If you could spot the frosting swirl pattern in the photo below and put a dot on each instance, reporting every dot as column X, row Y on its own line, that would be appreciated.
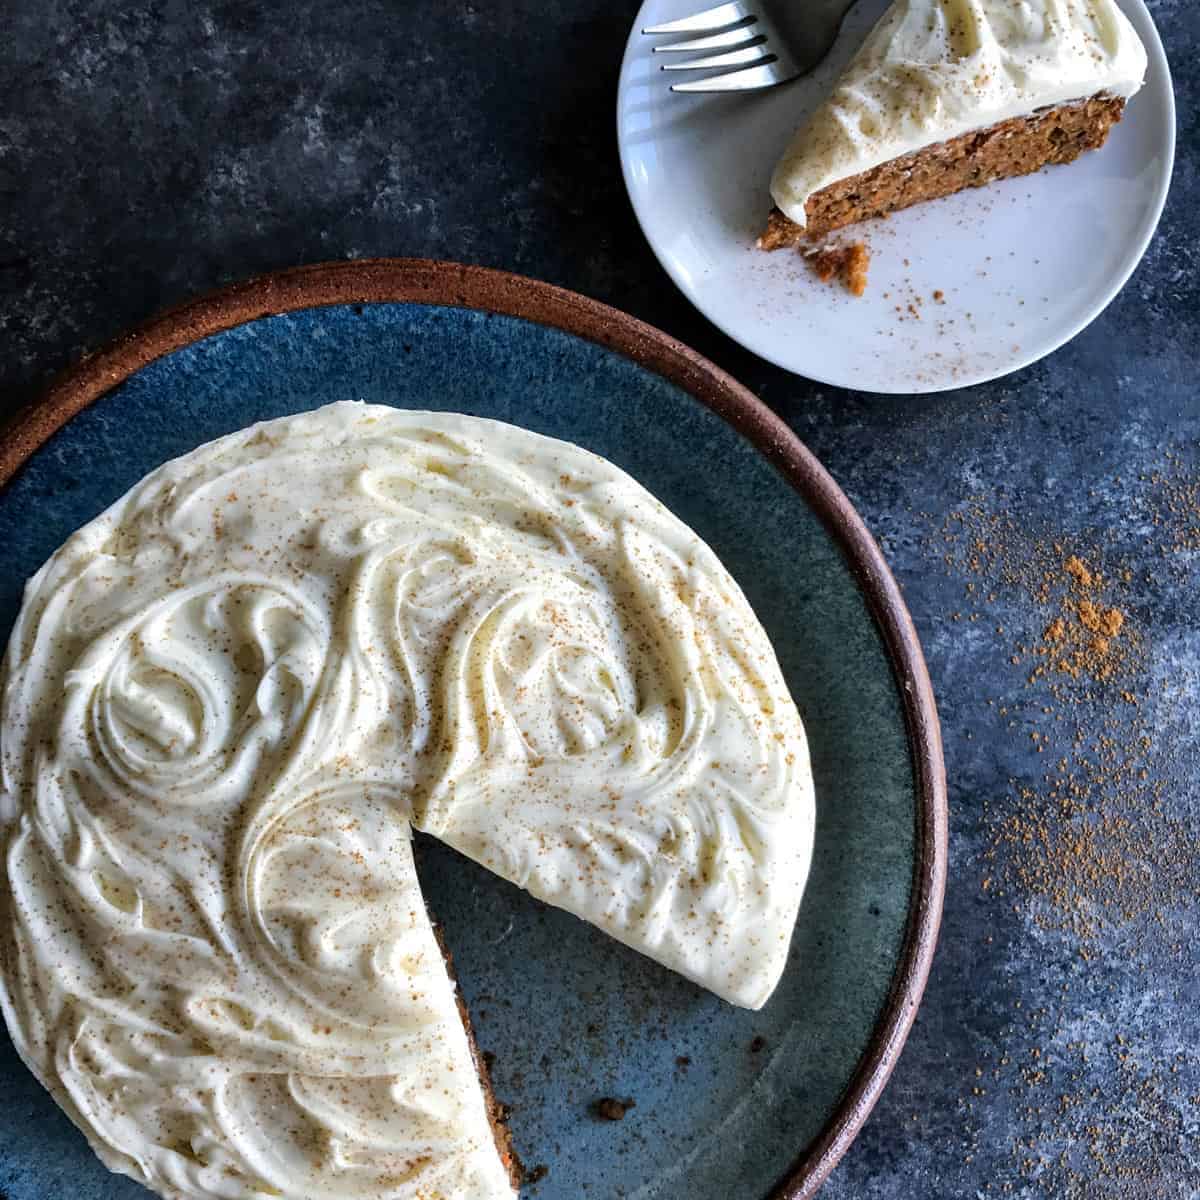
column 227, row 698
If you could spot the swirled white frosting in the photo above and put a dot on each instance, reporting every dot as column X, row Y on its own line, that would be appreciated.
column 227, row 697
column 932, row 70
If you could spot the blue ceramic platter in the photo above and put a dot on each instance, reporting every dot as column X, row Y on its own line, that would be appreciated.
column 726, row 1100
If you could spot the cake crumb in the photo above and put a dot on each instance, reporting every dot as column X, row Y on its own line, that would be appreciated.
column 537, row 1174
column 850, row 263
column 609, row 1109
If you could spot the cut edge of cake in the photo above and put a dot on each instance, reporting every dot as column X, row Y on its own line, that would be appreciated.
column 496, row 1111
column 1008, row 149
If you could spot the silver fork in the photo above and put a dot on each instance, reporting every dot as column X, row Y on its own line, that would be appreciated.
column 768, row 47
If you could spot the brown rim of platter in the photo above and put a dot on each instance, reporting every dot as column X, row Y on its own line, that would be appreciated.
column 424, row 281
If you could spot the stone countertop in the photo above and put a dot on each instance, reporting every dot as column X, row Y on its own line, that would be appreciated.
column 1045, row 527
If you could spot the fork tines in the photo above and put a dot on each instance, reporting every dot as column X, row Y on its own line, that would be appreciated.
column 742, row 36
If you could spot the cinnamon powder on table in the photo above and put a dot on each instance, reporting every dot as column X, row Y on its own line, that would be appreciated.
column 1091, row 854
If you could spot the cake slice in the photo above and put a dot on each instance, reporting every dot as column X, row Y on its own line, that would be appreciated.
column 951, row 94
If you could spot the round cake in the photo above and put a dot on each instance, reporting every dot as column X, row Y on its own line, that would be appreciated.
column 229, row 699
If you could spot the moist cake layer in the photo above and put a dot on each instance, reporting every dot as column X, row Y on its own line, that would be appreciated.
column 1016, row 147
column 932, row 71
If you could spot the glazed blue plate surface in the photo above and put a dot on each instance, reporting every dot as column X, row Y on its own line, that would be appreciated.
column 725, row 1099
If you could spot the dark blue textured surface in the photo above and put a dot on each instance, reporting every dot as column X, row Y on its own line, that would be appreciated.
column 153, row 149
column 570, row 1015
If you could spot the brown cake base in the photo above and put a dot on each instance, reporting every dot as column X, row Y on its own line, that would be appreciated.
column 495, row 1110
column 1017, row 147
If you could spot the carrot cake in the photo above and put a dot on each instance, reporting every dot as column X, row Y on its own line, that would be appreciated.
column 951, row 94
column 230, row 697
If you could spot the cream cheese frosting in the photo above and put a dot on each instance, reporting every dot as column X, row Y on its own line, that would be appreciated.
column 932, row 70
column 227, row 698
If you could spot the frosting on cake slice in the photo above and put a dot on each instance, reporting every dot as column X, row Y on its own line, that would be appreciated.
column 934, row 70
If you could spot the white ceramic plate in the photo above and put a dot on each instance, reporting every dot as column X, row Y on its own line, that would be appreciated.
column 1022, row 265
